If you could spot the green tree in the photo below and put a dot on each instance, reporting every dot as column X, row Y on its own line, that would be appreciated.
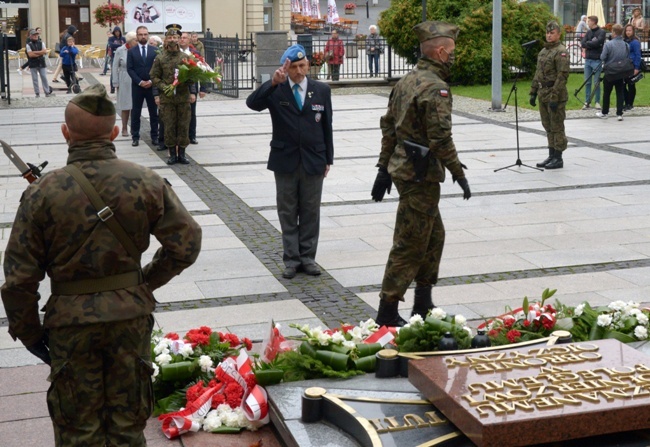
column 521, row 22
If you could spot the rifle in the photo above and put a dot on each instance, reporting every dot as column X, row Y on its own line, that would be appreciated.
column 28, row 171
column 594, row 87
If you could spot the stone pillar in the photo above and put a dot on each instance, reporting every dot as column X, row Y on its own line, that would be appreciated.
column 270, row 46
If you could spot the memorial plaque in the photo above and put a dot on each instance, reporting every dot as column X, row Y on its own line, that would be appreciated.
column 539, row 394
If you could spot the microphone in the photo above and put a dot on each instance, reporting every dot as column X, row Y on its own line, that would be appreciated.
column 529, row 44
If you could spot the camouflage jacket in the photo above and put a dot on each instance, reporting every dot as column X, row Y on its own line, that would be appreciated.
column 162, row 75
column 57, row 232
column 552, row 74
column 419, row 110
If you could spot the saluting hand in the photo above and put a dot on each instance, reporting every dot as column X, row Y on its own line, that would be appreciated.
column 280, row 74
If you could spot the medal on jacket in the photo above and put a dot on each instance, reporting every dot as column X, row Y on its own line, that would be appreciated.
column 317, row 117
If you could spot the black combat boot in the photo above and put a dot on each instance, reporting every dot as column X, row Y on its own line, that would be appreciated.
column 172, row 156
column 557, row 162
column 181, row 156
column 542, row 164
column 423, row 302
column 387, row 315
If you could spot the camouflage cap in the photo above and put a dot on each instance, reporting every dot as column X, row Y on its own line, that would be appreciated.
column 430, row 30
column 550, row 26
column 95, row 101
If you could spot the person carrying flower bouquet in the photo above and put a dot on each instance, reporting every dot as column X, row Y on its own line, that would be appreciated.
column 172, row 96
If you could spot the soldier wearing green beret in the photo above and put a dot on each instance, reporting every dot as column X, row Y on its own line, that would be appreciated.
column 96, row 332
column 549, row 83
column 175, row 109
column 419, row 111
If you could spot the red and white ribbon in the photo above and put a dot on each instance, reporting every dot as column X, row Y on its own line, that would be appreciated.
column 383, row 336
column 179, row 422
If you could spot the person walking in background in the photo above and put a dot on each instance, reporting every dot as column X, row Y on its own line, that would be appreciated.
column 334, row 52
column 374, row 48
column 635, row 54
column 114, row 42
column 122, row 81
column 419, row 112
column 593, row 43
column 107, row 55
column 302, row 151
column 615, row 50
column 582, row 28
column 68, row 56
column 549, row 83
column 96, row 333
column 59, row 67
column 139, row 61
column 36, row 52
column 637, row 20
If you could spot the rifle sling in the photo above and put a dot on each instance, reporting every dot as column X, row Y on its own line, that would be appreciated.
column 113, row 282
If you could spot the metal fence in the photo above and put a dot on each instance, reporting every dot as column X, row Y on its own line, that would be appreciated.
column 355, row 60
column 572, row 41
column 5, row 90
column 234, row 56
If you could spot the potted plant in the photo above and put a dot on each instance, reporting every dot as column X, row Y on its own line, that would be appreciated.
column 108, row 14
column 350, row 7
column 317, row 61
column 360, row 39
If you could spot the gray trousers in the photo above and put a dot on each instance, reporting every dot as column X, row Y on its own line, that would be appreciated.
column 43, row 72
column 298, row 197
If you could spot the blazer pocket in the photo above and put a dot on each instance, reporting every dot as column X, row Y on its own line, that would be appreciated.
column 320, row 148
column 275, row 144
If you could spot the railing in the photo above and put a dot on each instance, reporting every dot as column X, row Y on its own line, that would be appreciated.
column 355, row 60
column 235, row 58
column 5, row 89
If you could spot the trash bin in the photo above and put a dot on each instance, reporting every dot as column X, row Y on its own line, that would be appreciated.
column 306, row 41
column 351, row 50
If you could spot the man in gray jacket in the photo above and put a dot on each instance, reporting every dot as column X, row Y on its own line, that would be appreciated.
column 614, row 51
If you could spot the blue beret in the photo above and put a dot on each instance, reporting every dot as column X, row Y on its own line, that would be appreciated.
column 294, row 53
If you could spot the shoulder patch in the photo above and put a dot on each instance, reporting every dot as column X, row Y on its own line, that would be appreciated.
column 444, row 93
column 562, row 54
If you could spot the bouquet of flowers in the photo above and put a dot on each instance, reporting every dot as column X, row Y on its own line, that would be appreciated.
column 106, row 15
column 623, row 321
column 531, row 321
column 211, row 376
column 317, row 59
column 193, row 69
column 350, row 5
column 423, row 335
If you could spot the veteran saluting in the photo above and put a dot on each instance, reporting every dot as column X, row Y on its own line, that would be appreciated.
column 302, row 151
column 175, row 109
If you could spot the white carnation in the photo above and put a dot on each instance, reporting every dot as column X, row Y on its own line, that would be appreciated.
column 640, row 332
column 156, row 371
column 642, row 318
column 438, row 313
column 162, row 347
column 460, row 320
column 230, row 419
column 580, row 308
column 604, row 320
column 163, row 359
column 212, row 421
column 186, row 350
column 205, row 362
column 416, row 319
column 617, row 305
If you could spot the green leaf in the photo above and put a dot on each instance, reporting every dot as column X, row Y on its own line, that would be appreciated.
column 179, row 371
column 307, row 349
column 366, row 349
column 623, row 338
column 226, row 430
column 268, row 376
column 335, row 360
column 367, row 364
column 525, row 306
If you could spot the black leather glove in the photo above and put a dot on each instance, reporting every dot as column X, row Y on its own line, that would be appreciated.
column 553, row 106
column 533, row 100
column 463, row 184
column 41, row 350
column 382, row 185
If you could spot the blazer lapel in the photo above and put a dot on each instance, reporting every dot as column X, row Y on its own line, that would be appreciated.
column 310, row 93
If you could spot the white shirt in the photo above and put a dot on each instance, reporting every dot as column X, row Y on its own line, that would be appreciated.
column 145, row 50
column 302, row 88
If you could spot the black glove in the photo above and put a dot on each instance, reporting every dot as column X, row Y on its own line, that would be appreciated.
column 533, row 100
column 382, row 185
column 553, row 106
column 463, row 184
column 41, row 350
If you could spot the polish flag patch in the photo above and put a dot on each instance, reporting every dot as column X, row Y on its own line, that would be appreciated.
column 444, row 93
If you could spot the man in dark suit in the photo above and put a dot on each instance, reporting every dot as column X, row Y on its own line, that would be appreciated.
column 302, row 151
column 139, row 61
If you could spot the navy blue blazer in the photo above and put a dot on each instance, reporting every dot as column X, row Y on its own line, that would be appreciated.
column 137, row 68
column 298, row 136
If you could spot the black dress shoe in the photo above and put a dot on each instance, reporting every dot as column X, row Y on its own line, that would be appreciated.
column 161, row 147
column 135, row 142
column 154, row 141
column 194, row 141
column 172, row 160
column 289, row 272
column 311, row 269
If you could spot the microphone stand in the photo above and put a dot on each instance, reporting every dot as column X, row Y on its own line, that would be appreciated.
column 514, row 89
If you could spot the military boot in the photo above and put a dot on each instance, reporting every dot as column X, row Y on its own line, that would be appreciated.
column 387, row 315
column 181, row 156
column 423, row 302
column 557, row 162
column 542, row 164
column 172, row 156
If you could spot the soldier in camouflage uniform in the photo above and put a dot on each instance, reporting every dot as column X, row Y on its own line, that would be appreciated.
column 419, row 111
column 550, row 84
column 97, row 327
column 175, row 110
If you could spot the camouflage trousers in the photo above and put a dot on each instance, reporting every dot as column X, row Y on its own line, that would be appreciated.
column 418, row 240
column 553, row 123
column 101, row 392
column 176, row 121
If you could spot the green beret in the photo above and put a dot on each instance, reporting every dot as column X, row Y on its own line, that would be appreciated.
column 95, row 101
column 173, row 29
column 430, row 30
column 550, row 26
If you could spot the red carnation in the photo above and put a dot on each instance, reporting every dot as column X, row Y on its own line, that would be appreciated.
column 247, row 341
column 493, row 333
column 234, row 393
column 513, row 335
column 194, row 392
column 250, row 381
column 200, row 336
column 508, row 321
column 172, row 336
column 526, row 323
column 231, row 339
column 218, row 399
column 547, row 322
